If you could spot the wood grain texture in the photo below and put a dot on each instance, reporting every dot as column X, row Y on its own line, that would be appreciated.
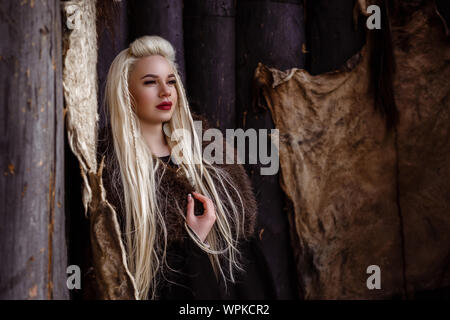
column 333, row 36
column 209, row 31
column 32, row 223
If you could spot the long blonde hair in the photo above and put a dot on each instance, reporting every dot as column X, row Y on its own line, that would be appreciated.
column 145, row 231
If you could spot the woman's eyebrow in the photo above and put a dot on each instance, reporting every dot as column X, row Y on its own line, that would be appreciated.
column 156, row 76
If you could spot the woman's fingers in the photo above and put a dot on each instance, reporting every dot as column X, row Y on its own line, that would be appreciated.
column 190, row 207
column 208, row 205
column 201, row 225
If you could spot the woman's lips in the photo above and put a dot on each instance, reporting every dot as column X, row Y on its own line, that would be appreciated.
column 164, row 106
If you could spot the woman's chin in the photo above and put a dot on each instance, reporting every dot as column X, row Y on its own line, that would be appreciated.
column 165, row 118
column 156, row 119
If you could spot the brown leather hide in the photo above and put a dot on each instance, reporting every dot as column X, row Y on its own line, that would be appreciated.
column 361, row 195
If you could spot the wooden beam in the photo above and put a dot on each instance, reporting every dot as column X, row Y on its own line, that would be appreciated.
column 32, row 223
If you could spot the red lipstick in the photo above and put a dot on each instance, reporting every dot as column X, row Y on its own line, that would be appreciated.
column 166, row 105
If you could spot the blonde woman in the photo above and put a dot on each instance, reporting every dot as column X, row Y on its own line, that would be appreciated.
column 184, row 220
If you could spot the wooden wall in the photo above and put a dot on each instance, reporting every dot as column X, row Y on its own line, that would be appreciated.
column 32, row 222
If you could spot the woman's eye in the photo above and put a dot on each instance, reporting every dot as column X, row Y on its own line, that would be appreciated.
column 153, row 81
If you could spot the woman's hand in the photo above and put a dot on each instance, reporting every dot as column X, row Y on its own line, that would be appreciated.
column 201, row 225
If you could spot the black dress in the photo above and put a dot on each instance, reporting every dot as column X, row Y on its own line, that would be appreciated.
column 195, row 279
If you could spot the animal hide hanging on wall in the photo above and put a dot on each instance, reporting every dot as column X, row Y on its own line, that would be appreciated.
column 80, row 92
column 363, row 195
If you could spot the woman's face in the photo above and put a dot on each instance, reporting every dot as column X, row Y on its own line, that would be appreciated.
column 152, row 82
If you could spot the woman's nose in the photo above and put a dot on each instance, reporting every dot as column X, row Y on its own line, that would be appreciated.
column 165, row 91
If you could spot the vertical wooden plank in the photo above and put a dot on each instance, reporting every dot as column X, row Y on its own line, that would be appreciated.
column 112, row 32
column 59, row 259
column 332, row 37
column 32, row 224
column 209, row 32
column 271, row 32
column 163, row 18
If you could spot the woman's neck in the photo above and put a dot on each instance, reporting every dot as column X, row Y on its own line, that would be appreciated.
column 154, row 137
